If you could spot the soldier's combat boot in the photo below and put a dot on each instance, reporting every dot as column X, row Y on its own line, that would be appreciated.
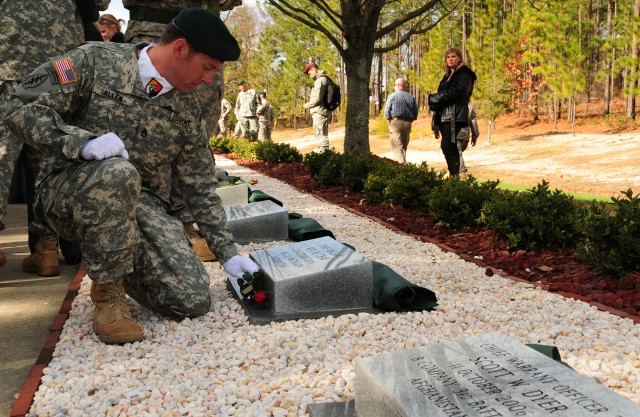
column 44, row 261
column 199, row 244
column 3, row 259
column 112, row 320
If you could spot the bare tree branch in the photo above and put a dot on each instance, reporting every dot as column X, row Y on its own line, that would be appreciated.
column 306, row 19
column 411, row 15
column 415, row 30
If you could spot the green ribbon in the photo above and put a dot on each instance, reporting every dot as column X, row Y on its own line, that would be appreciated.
column 257, row 195
column 549, row 351
column 306, row 228
column 392, row 292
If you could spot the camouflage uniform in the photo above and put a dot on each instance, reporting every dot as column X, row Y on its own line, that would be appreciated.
column 149, row 30
column 32, row 32
column 319, row 114
column 113, row 205
column 225, row 109
column 265, row 121
column 245, row 111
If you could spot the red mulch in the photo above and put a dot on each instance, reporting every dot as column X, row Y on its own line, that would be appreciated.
column 557, row 270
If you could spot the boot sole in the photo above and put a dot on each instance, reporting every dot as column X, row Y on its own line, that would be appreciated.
column 121, row 339
column 47, row 272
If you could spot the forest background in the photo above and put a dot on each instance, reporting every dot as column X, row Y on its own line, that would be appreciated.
column 533, row 58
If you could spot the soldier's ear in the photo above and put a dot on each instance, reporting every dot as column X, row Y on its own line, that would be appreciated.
column 180, row 48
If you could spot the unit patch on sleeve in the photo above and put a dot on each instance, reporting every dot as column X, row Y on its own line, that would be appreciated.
column 34, row 80
column 66, row 73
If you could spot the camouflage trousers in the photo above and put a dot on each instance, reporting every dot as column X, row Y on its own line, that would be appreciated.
column 222, row 125
column 10, row 147
column 264, row 132
column 126, row 232
column 249, row 127
column 321, row 130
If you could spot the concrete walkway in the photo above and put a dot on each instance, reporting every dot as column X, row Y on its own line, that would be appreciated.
column 28, row 306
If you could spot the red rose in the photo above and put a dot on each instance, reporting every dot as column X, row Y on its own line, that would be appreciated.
column 261, row 298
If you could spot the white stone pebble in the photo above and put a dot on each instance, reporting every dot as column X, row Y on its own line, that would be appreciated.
column 220, row 365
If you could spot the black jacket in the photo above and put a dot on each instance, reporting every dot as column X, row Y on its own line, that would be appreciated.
column 451, row 102
column 118, row 38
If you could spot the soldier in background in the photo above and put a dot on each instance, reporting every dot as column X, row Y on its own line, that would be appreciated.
column 225, row 109
column 147, row 20
column 265, row 118
column 319, row 114
column 245, row 110
column 33, row 31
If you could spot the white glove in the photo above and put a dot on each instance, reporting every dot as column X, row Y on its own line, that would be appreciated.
column 104, row 147
column 238, row 265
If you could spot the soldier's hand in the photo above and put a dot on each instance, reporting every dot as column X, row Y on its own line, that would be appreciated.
column 104, row 147
column 239, row 265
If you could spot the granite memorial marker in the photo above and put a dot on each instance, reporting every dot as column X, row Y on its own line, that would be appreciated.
column 263, row 221
column 233, row 195
column 315, row 275
column 488, row 375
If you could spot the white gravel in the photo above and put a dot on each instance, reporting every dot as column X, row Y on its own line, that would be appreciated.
column 221, row 365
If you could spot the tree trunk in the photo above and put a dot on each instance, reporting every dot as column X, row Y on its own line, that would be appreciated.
column 609, row 77
column 630, row 110
column 356, row 134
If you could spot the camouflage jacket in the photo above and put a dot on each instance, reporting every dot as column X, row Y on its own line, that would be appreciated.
column 101, row 92
column 33, row 31
column 225, row 108
column 247, row 103
column 150, row 30
column 265, row 113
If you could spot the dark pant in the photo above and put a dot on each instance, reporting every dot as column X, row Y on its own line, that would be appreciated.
column 449, row 147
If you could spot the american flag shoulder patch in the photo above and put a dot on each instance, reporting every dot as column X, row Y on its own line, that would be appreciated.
column 66, row 73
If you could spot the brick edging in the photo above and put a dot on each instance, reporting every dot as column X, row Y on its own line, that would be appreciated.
column 27, row 393
column 635, row 319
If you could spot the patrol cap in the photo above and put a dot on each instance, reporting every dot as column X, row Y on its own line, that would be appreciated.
column 309, row 66
column 206, row 32
column 240, row 83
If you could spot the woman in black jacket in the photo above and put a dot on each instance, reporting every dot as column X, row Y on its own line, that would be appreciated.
column 110, row 28
column 450, row 107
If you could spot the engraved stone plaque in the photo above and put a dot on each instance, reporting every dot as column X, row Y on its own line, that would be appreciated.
column 315, row 275
column 233, row 195
column 264, row 221
column 486, row 375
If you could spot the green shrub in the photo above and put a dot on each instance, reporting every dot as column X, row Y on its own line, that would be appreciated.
column 277, row 152
column 408, row 185
column 377, row 181
column 314, row 161
column 458, row 204
column 532, row 219
column 611, row 240
column 219, row 143
column 355, row 170
column 325, row 167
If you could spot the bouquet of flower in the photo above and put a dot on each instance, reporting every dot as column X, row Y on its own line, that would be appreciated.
column 252, row 287
column 235, row 181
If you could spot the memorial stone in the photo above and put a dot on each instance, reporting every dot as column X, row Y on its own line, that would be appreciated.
column 487, row 375
column 233, row 195
column 315, row 275
column 264, row 221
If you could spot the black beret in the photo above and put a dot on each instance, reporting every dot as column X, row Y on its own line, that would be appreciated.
column 206, row 32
